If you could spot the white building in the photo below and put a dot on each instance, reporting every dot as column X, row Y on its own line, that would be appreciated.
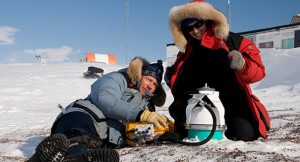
column 280, row 37
column 171, row 52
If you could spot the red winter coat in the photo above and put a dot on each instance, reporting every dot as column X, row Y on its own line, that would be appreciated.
column 252, row 71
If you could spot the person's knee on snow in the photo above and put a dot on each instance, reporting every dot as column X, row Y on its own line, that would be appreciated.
column 241, row 129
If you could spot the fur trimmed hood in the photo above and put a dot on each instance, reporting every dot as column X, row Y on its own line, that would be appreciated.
column 135, row 74
column 200, row 10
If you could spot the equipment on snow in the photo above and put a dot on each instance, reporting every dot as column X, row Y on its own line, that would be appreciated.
column 200, row 122
column 93, row 72
column 140, row 133
column 204, row 119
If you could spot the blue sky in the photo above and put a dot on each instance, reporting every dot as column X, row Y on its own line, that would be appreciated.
column 64, row 30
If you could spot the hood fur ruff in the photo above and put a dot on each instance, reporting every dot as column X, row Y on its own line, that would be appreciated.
column 201, row 10
column 135, row 74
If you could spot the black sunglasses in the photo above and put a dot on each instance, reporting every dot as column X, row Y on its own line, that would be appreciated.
column 197, row 25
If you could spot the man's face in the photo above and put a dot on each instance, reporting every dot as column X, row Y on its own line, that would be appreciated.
column 148, row 84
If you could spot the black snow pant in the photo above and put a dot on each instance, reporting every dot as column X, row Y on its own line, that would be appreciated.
column 75, row 124
column 177, row 112
column 241, row 124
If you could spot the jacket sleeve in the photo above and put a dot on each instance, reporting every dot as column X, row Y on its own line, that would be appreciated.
column 106, row 94
column 253, row 69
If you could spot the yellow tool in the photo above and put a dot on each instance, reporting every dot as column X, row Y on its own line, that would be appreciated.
column 139, row 133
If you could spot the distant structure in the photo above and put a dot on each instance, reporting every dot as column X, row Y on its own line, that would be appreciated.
column 279, row 37
column 228, row 14
column 101, row 58
column 41, row 60
column 172, row 52
column 295, row 19
column 126, row 28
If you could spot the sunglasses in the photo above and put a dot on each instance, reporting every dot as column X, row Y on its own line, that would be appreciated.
column 197, row 25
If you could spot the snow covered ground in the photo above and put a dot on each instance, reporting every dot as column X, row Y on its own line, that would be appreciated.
column 30, row 93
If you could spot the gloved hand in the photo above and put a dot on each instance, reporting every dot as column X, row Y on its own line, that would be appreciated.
column 236, row 60
column 154, row 118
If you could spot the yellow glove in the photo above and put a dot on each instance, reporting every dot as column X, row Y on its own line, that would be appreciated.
column 155, row 118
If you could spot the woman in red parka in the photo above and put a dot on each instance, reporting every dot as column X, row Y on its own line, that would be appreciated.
column 210, row 54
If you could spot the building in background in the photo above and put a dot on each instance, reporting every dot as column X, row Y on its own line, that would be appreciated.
column 41, row 59
column 279, row 37
column 101, row 58
column 172, row 52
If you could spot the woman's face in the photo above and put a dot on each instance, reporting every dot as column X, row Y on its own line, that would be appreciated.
column 197, row 29
column 148, row 84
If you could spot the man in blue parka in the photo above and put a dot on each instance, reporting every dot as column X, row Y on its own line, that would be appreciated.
column 88, row 129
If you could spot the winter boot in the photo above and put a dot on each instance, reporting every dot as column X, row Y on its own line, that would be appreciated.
column 94, row 155
column 86, row 148
column 51, row 149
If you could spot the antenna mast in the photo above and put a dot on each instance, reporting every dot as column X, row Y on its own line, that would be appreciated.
column 228, row 13
column 126, row 32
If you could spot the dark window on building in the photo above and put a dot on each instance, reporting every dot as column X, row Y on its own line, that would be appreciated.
column 266, row 45
column 297, row 39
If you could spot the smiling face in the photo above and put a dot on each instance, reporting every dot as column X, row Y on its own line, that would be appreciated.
column 197, row 29
column 148, row 84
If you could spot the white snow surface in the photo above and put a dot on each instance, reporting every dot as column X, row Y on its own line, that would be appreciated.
column 30, row 93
